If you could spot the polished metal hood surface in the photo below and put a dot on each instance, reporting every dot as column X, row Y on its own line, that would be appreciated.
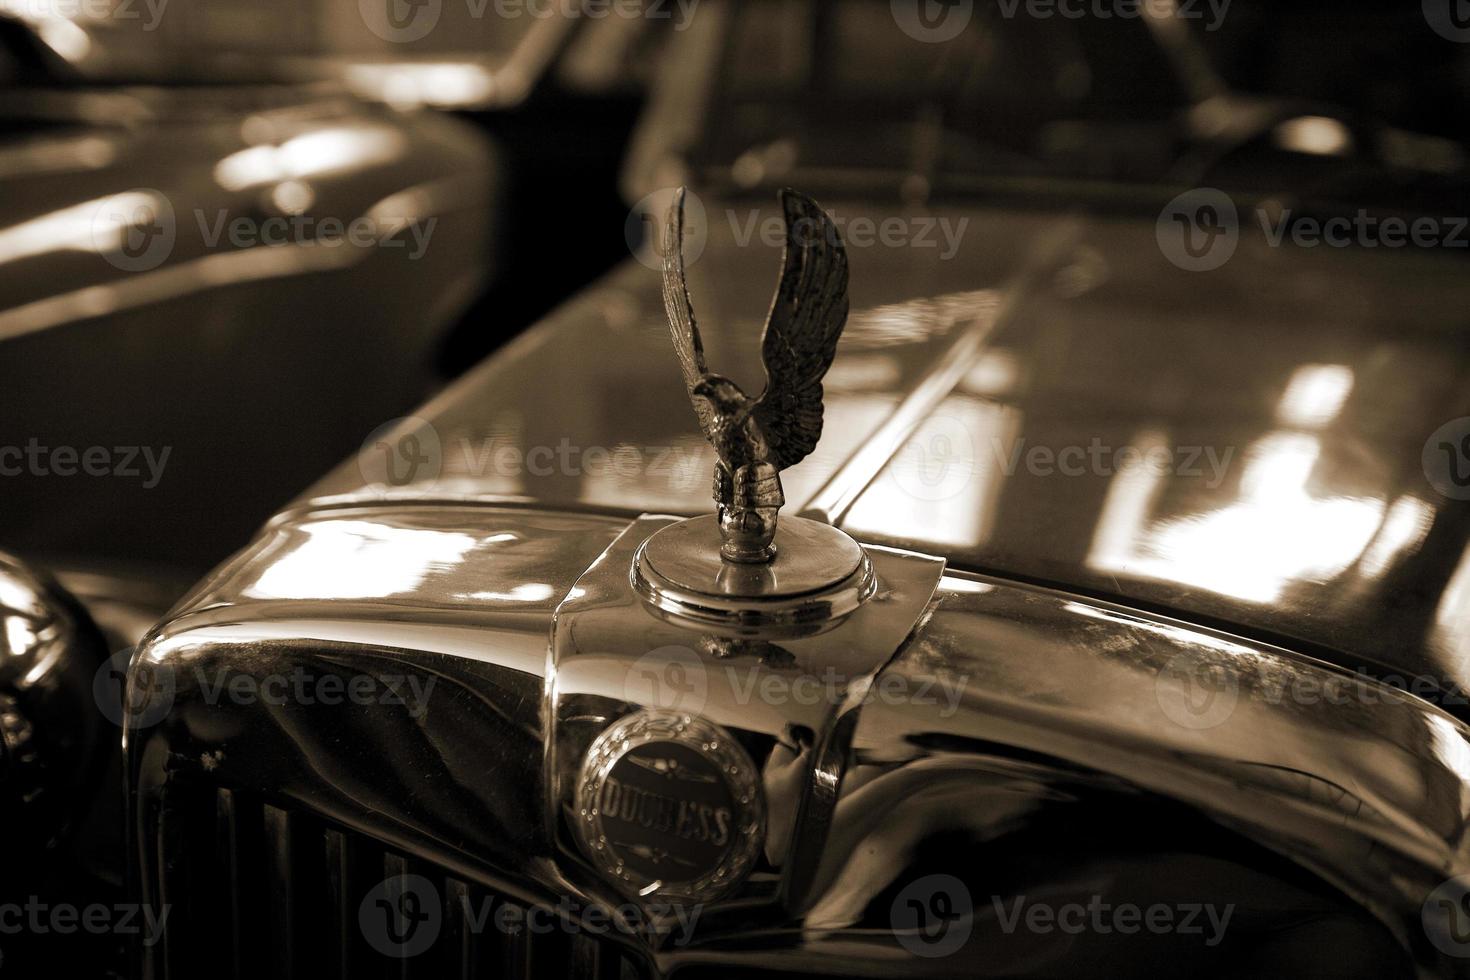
column 1008, row 707
column 1000, row 406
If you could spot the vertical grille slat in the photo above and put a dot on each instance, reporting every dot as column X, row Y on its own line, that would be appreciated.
column 259, row 889
column 341, row 921
column 588, row 961
column 170, row 959
column 231, row 888
column 515, row 955
column 396, row 866
column 281, row 910
column 461, row 941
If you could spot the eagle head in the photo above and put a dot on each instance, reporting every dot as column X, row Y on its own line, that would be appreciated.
column 723, row 395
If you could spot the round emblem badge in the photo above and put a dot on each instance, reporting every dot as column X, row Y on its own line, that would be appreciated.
column 670, row 804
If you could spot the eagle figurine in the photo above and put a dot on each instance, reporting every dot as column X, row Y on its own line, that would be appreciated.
column 756, row 438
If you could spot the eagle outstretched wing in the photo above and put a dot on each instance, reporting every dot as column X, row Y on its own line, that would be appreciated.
column 807, row 315
column 681, row 311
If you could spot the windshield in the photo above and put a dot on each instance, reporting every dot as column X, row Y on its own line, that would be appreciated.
column 832, row 88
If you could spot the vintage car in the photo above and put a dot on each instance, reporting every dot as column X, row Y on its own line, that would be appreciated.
column 153, row 363
column 222, row 281
column 1115, row 625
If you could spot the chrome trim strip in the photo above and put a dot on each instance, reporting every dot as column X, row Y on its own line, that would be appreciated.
column 261, row 262
column 832, row 502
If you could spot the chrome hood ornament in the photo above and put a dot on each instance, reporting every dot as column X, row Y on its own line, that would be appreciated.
column 756, row 438
column 738, row 570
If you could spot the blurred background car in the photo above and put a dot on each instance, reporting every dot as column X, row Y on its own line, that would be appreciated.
column 211, row 286
column 236, row 239
column 173, row 295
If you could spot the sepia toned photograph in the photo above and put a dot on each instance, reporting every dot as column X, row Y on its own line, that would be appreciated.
column 734, row 489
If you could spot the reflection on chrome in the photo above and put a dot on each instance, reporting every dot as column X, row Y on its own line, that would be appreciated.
column 1452, row 618
column 1276, row 533
column 1317, row 135
column 54, row 23
column 916, row 320
column 529, row 592
column 315, row 154
column 994, row 375
column 369, row 560
column 1182, row 635
column 1315, row 395
column 59, row 155
column 406, row 86
column 99, row 225
column 1448, row 744
column 944, row 482
column 1400, row 535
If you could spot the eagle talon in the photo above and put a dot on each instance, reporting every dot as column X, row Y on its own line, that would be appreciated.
column 748, row 534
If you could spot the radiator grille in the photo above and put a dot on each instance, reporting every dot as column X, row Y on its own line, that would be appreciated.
column 257, row 890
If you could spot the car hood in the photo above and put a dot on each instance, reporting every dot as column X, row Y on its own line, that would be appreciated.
column 1044, row 396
